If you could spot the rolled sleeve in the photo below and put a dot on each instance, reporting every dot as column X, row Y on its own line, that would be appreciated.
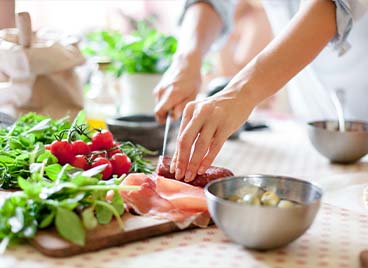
column 225, row 9
column 347, row 11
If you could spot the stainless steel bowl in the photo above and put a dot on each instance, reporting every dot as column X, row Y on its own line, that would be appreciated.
column 261, row 227
column 339, row 147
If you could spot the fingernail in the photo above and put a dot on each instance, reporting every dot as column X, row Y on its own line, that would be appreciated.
column 201, row 170
column 188, row 176
column 172, row 167
column 178, row 175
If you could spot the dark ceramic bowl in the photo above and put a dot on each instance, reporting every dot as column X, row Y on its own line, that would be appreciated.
column 139, row 129
column 6, row 120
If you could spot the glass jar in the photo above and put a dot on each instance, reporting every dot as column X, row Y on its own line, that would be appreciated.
column 102, row 98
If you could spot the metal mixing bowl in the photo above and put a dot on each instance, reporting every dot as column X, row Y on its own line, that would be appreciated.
column 339, row 147
column 261, row 227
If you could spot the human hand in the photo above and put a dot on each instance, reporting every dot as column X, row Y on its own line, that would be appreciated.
column 205, row 126
column 179, row 85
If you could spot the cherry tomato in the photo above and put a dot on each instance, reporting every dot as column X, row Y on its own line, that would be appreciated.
column 102, row 140
column 90, row 146
column 120, row 164
column 107, row 172
column 62, row 150
column 96, row 154
column 48, row 147
column 80, row 161
column 112, row 152
column 80, row 147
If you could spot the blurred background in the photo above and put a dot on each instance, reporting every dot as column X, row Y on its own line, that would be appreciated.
column 128, row 44
column 79, row 16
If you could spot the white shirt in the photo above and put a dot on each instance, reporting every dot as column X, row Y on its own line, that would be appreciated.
column 342, row 65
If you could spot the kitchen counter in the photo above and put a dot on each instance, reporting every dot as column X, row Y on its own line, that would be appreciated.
column 339, row 233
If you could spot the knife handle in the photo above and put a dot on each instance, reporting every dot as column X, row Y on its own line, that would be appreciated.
column 364, row 258
column 24, row 25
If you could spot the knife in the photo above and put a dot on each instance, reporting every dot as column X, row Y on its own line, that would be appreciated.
column 167, row 128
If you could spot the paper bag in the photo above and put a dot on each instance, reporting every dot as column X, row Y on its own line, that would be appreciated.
column 38, row 74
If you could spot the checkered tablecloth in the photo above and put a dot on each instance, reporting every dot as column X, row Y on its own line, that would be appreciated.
column 334, row 240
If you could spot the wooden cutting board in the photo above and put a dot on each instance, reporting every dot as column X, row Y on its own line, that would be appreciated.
column 49, row 243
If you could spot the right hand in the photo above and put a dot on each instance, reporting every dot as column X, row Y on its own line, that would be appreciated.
column 179, row 85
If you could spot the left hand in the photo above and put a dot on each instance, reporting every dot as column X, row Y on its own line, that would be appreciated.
column 205, row 127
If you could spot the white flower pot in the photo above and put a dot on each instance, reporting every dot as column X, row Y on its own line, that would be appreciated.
column 137, row 93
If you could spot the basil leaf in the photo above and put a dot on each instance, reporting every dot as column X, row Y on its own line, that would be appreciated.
column 69, row 226
column 117, row 203
column 103, row 214
column 47, row 155
column 89, row 219
column 29, row 188
column 46, row 221
column 52, row 171
column 6, row 159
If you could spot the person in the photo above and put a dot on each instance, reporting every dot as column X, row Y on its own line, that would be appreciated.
column 302, row 33
column 250, row 33
column 7, row 14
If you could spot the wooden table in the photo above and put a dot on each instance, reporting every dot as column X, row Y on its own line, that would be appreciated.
column 335, row 239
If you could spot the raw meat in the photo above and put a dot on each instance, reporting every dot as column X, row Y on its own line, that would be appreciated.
column 213, row 173
column 169, row 199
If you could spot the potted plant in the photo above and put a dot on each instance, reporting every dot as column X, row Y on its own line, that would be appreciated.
column 139, row 58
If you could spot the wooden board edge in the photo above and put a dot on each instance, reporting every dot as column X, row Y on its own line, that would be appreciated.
column 110, row 241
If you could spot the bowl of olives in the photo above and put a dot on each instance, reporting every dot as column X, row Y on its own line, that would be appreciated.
column 263, row 211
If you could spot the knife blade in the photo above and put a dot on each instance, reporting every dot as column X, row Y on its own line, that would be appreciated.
column 167, row 128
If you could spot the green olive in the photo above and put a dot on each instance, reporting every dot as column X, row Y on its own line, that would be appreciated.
column 270, row 199
column 286, row 204
column 254, row 195
column 251, row 199
column 234, row 198
column 249, row 189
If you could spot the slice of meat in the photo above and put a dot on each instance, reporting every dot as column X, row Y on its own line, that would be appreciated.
column 183, row 196
column 164, row 198
column 213, row 173
column 146, row 200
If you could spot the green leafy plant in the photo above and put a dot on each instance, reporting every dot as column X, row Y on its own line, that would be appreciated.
column 69, row 199
column 146, row 50
column 136, row 153
column 22, row 146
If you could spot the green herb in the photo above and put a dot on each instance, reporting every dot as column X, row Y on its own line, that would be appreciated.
column 22, row 147
column 70, row 226
column 144, row 51
column 22, row 144
column 136, row 153
column 73, row 202
column 68, row 198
